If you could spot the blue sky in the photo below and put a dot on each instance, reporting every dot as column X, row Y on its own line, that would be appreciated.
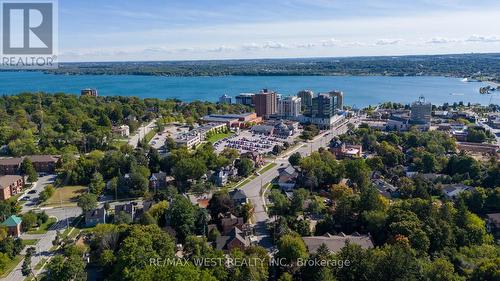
column 116, row 30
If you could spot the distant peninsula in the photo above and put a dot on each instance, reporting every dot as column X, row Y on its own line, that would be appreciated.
column 484, row 67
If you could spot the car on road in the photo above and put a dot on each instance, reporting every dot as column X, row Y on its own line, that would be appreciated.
column 32, row 191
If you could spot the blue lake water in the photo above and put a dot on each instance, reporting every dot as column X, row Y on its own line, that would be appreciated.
column 358, row 90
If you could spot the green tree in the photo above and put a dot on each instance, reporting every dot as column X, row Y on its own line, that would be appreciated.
column 294, row 159
column 26, row 267
column 291, row 248
column 87, row 202
column 182, row 216
column 358, row 172
column 28, row 170
column 245, row 167
column 29, row 220
column 96, row 184
column 122, row 218
column 66, row 267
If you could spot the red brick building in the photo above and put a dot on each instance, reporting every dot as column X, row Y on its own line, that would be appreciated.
column 10, row 185
column 41, row 163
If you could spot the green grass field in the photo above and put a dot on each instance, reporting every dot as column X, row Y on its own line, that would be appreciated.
column 44, row 227
column 30, row 242
column 10, row 266
column 66, row 195
column 215, row 137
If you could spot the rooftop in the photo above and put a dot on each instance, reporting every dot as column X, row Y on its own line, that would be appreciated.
column 12, row 221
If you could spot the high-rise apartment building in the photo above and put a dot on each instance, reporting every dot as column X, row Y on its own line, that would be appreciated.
column 306, row 97
column 338, row 99
column 289, row 106
column 322, row 106
column 266, row 103
column 225, row 99
column 421, row 112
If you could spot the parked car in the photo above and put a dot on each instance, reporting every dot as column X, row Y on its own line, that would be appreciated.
column 32, row 191
column 25, row 198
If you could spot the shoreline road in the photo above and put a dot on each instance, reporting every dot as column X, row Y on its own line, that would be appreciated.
column 254, row 187
column 141, row 133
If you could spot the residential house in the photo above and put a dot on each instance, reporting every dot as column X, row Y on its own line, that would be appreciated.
column 336, row 242
column 200, row 200
column 385, row 189
column 224, row 174
column 159, row 180
column 94, row 217
column 128, row 208
column 239, row 196
column 287, row 178
column 453, row 190
column 10, row 185
column 342, row 150
column 123, row 130
column 478, row 147
column 13, row 225
column 228, row 221
column 255, row 157
column 235, row 239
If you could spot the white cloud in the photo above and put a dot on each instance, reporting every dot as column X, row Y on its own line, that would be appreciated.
column 330, row 42
column 383, row 42
column 441, row 40
column 483, row 39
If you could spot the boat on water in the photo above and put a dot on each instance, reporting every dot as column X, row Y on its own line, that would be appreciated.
column 468, row 79
column 456, row 94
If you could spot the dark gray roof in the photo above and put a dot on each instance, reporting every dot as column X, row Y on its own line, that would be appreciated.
column 337, row 242
column 235, row 233
column 238, row 194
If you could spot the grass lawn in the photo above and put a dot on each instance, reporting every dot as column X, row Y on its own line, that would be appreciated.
column 149, row 136
column 40, row 263
column 30, row 242
column 67, row 195
column 44, row 227
column 10, row 265
column 267, row 168
column 219, row 136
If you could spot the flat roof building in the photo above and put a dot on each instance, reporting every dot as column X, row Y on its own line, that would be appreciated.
column 306, row 97
column 322, row 106
column 246, row 99
column 225, row 99
column 421, row 112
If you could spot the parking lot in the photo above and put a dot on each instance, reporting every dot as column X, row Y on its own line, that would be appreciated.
column 31, row 195
column 245, row 141
column 172, row 131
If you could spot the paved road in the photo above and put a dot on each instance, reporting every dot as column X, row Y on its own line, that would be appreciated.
column 141, row 133
column 253, row 188
column 64, row 216
column 38, row 187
